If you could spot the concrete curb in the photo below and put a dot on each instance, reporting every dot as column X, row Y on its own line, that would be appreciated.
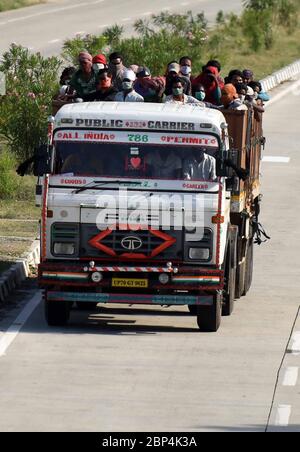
column 12, row 278
column 281, row 76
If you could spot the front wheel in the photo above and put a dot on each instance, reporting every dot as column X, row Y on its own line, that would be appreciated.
column 209, row 317
column 57, row 313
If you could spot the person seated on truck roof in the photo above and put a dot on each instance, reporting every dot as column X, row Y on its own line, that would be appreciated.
column 230, row 98
column 66, row 94
column 200, row 166
column 99, row 63
column 117, row 69
column 150, row 88
column 200, row 94
column 261, row 95
column 173, row 71
column 217, row 65
column 185, row 64
column 128, row 94
column 209, row 78
column 248, row 76
column 242, row 90
column 163, row 164
column 178, row 96
column 251, row 102
column 235, row 77
column 84, row 80
column 105, row 91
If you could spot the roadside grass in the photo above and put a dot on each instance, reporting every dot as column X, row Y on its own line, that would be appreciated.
column 12, row 250
column 18, row 214
column 19, row 228
column 236, row 54
column 6, row 5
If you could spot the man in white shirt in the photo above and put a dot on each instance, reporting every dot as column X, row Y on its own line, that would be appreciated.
column 128, row 94
column 200, row 166
column 178, row 96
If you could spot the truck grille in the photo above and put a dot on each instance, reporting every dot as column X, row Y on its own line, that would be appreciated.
column 139, row 244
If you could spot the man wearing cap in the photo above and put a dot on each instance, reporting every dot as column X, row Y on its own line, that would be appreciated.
column 247, row 76
column 99, row 63
column 173, row 71
column 128, row 94
column 150, row 88
column 84, row 80
column 230, row 98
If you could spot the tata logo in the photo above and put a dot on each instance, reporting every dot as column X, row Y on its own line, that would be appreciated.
column 132, row 243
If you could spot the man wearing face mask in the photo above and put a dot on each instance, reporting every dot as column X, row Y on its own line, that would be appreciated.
column 105, row 91
column 185, row 67
column 99, row 63
column 200, row 94
column 116, row 68
column 128, row 94
column 178, row 96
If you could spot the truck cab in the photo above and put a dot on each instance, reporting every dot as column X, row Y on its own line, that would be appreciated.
column 138, row 207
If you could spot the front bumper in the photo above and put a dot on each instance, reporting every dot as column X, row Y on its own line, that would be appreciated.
column 65, row 276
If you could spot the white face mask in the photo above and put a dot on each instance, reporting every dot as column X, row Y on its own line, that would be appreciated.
column 255, row 95
column 127, row 86
column 98, row 67
column 186, row 70
column 242, row 97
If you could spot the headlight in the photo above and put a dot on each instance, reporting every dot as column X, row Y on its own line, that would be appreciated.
column 64, row 249
column 199, row 254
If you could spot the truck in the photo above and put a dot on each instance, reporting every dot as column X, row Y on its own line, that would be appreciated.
column 123, row 221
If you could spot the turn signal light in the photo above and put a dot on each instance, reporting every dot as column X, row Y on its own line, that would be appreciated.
column 50, row 213
column 218, row 219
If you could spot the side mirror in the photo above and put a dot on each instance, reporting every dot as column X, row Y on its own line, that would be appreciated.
column 42, row 160
column 227, row 163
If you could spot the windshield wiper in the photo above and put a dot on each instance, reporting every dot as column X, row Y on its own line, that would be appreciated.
column 97, row 184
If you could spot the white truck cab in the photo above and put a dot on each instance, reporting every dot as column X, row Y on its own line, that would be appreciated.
column 137, row 209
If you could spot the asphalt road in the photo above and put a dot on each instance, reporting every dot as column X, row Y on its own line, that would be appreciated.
column 150, row 369
column 44, row 27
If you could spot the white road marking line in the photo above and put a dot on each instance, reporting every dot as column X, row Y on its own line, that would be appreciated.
column 50, row 11
column 295, row 349
column 54, row 41
column 148, row 13
column 283, row 415
column 272, row 159
column 126, row 19
column 10, row 335
column 290, row 377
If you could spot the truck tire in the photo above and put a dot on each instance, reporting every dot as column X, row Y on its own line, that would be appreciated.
column 241, row 271
column 230, row 274
column 209, row 317
column 193, row 309
column 249, row 267
column 86, row 306
column 57, row 313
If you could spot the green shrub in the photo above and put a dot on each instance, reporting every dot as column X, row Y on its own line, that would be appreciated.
column 8, row 178
column 31, row 82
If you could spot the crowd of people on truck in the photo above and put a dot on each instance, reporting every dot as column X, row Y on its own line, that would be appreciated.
column 98, row 79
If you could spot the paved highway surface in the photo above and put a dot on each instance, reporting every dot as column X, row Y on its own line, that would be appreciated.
column 150, row 369
column 44, row 27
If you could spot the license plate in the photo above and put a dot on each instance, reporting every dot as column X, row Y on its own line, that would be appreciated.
column 130, row 283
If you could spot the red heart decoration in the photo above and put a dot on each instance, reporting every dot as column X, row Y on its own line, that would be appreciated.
column 136, row 162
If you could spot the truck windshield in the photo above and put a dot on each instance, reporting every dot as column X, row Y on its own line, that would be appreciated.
column 136, row 161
